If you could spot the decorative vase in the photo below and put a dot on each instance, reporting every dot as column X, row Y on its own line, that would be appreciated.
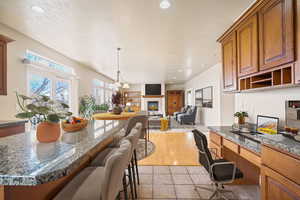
column 241, row 120
column 48, row 132
column 117, row 110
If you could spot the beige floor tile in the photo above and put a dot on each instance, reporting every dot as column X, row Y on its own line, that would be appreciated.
column 162, row 179
column 196, row 170
column 161, row 170
column 145, row 169
column 163, row 191
column 182, row 179
column 146, row 179
column 186, row 191
column 145, row 192
column 178, row 170
column 200, row 179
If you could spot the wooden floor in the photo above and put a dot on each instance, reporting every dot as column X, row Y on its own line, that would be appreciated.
column 172, row 149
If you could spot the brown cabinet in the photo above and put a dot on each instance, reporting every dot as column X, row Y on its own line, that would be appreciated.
column 174, row 101
column 229, row 63
column 247, row 47
column 3, row 73
column 276, row 33
column 3, row 64
column 297, row 73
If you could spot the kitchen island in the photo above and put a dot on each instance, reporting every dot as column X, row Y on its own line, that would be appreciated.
column 39, row 170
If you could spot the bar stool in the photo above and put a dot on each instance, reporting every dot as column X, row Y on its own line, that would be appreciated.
column 99, row 183
column 101, row 158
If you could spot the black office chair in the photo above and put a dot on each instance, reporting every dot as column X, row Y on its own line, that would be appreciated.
column 220, row 170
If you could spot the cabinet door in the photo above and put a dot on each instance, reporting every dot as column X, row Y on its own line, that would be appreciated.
column 3, row 75
column 276, row 33
column 229, row 63
column 247, row 48
column 277, row 187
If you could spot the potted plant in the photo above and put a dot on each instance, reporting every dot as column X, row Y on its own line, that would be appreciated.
column 45, row 112
column 116, row 100
column 101, row 108
column 86, row 106
column 241, row 116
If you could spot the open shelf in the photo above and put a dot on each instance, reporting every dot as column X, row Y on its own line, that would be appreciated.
column 270, row 79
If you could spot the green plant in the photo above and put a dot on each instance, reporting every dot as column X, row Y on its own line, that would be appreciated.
column 41, row 108
column 102, row 107
column 241, row 114
column 86, row 106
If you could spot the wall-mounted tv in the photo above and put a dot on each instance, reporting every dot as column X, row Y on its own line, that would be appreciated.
column 153, row 89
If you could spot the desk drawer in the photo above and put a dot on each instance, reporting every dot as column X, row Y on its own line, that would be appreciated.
column 217, row 148
column 283, row 163
column 250, row 156
column 231, row 146
column 215, row 138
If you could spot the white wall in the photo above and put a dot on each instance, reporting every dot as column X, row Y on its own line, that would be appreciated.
column 16, row 70
column 175, row 87
column 267, row 102
column 223, row 105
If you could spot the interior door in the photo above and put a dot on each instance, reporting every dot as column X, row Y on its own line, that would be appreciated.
column 229, row 63
column 276, row 33
column 174, row 101
column 247, row 47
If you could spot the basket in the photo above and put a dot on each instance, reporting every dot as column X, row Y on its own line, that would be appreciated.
column 74, row 127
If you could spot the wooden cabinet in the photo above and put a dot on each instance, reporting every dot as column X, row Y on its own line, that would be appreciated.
column 229, row 63
column 276, row 33
column 247, row 47
column 3, row 70
column 297, row 73
column 174, row 101
column 3, row 64
column 280, row 175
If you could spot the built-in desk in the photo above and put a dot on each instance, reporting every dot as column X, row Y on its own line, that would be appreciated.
column 273, row 161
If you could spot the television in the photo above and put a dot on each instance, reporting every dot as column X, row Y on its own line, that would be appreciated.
column 153, row 89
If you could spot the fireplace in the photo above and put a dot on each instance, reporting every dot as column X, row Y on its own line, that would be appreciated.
column 153, row 106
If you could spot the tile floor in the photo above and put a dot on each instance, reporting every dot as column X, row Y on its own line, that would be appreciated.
column 178, row 182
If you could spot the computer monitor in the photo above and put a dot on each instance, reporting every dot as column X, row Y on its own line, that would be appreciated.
column 267, row 124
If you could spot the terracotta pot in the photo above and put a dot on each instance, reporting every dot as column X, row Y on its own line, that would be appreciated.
column 241, row 120
column 48, row 132
column 117, row 110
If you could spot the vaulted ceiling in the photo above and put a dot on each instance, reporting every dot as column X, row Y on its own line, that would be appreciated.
column 169, row 45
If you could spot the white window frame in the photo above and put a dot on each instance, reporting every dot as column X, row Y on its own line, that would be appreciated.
column 106, row 88
column 55, row 75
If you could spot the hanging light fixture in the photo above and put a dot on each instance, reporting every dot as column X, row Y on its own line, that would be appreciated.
column 126, row 86
column 118, row 83
column 165, row 4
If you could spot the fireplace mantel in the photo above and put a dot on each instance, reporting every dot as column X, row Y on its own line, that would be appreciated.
column 153, row 96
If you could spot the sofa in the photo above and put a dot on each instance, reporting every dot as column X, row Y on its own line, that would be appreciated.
column 183, row 110
column 188, row 117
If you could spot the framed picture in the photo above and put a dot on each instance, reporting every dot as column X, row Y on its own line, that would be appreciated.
column 204, row 97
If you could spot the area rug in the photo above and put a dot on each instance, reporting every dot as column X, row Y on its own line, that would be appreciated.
column 140, row 150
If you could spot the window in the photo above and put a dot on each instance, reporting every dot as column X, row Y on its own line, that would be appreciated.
column 45, row 77
column 102, row 91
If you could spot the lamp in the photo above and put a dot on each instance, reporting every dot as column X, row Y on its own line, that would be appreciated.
column 165, row 4
column 126, row 86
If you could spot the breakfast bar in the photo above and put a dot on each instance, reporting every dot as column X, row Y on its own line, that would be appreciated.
column 269, row 160
column 39, row 170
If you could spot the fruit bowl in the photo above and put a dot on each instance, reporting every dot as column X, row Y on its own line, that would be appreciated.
column 72, row 127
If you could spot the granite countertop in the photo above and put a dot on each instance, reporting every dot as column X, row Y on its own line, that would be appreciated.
column 6, row 123
column 254, row 142
column 24, row 161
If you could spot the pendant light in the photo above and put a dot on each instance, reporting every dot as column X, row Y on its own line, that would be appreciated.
column 165, row 4
column 118, row 83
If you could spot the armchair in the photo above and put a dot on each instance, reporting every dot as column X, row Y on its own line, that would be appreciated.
column 189, row 116
column 183, row 110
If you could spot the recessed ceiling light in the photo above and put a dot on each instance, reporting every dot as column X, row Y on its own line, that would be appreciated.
column 37, row 9
column 165, row 4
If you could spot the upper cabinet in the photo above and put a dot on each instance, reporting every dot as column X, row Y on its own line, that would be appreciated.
column 3, row 64
column 229, row 63
column 259, row 49
column 276, row 33
column 247, row 47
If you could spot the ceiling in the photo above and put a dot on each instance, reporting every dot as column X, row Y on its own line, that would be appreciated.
column 157, row 45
